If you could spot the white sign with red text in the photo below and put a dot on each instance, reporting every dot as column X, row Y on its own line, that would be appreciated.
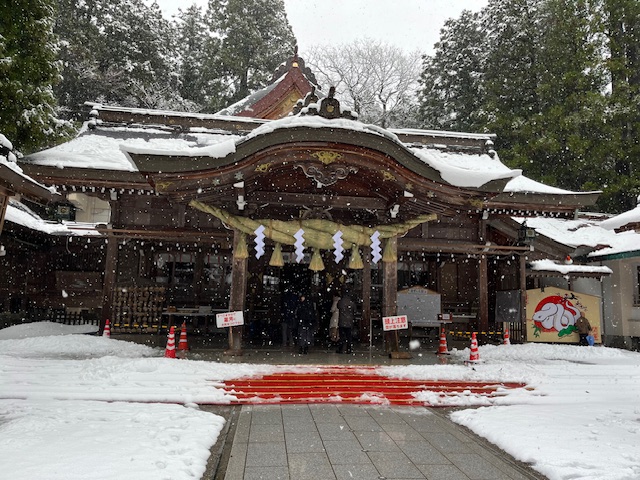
column 229, row 319
column 398, row 322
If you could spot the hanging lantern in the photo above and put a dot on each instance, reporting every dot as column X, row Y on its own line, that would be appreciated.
column 241, row 250
column 355, row 262
column 276, row 257
column 388, row 255
column 316, row 261
column 526, row 235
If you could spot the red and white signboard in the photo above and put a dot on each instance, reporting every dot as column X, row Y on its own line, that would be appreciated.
column 395, row 323
column 229, row 319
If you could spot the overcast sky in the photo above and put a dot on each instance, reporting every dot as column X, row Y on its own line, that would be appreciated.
column 408, row 24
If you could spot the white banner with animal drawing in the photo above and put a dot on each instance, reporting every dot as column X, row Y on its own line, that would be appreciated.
column 552, row 314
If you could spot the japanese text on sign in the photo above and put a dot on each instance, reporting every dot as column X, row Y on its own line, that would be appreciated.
column 395, row 323
column 229, row 319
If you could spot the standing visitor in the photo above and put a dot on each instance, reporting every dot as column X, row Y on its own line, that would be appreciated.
column 288, row 320
column 306, row 316
column 333, row 322
column 584, row 328
column 346, row 317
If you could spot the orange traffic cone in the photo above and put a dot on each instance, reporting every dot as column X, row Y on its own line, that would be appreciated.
column 474, row 356
column 170, row 351
column 183, row 346
column 506, row 337
column 442, row 348
column 107, row 329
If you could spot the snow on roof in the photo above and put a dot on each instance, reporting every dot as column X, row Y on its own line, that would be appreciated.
column 20, row 214
column 524, row 184
column 102, row 148
column 464, row 169
column 10, row 162
column 585, row 233
column 252, row 99
column 551, row 266
column 442, row 133
column 316, row 121
column 459, row 169
column 161, row 114
column 632, row 216
column 105, row 149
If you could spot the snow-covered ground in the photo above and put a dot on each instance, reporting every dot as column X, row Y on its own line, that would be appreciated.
column 76, row 406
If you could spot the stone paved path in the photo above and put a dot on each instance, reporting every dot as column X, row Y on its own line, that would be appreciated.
column 335, row 441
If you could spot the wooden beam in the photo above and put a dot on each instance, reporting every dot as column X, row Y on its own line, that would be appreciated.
column 178, row 235
column 315, row 200
column 408, row 244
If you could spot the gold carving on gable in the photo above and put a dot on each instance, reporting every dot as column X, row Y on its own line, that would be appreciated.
column 387, row 175
column 161, row 186
column 263, row 168
column 326, row 175
column 476, row 202
column 326, row 157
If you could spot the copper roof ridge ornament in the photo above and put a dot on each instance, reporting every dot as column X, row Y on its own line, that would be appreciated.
column 328, row 108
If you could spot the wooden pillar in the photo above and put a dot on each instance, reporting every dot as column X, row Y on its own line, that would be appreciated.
column 483, row 281
column 390, row 292
column 523, row 295
column 238, row 296
column 109, row 281
column 483, row 292
column 365, row 321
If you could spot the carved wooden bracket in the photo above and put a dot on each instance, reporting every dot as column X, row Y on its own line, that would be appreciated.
column 326, row 175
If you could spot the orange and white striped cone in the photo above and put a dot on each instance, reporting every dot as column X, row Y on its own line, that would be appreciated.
column 107, row 329
column 183, row 346
column 170, row 351
column 506, row 340
column 442, row 347
column 474, row 356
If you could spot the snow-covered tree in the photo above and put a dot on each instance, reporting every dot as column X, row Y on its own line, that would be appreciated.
column 376, row 80
column 28, row 69
column 119, row 52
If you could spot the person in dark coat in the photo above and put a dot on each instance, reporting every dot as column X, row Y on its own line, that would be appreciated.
column 584, row 328
column 346, row 317
column 307, row 323
column 289, row 321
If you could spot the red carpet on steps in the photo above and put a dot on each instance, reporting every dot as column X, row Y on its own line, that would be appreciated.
column 335, row 384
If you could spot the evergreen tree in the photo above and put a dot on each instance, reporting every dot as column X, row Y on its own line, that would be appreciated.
column 28, row 69
column 621, row 25
column 566, row 132
column 255, row 38
column 511, row 73
column 199, row 65
column 450, row 94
